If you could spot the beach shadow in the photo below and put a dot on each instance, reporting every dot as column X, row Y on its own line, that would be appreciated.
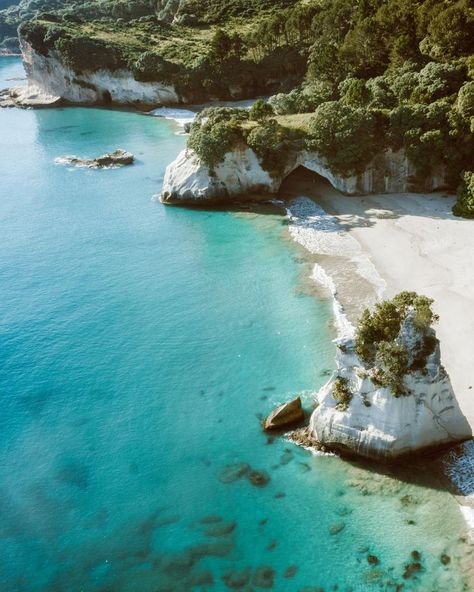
column 364, row 211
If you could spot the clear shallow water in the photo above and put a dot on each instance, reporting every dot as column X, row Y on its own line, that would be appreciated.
column 138, row 344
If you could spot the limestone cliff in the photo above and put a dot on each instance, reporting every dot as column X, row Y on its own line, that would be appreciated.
column 49, row 78
column 241, row 174
column 375, row 423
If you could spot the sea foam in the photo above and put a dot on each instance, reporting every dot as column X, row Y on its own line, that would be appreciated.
column 321, row 234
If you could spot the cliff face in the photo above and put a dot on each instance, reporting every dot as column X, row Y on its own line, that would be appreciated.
column 378, row 425
column 241, row 174
column 48, row 76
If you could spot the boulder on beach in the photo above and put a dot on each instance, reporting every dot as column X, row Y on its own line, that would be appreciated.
column 285, row 415
column 111, row 159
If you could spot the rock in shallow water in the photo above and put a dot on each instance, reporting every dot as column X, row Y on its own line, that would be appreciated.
column 285, row 415
column 111, row 159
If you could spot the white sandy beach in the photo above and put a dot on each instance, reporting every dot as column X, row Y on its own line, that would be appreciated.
column 415, row 243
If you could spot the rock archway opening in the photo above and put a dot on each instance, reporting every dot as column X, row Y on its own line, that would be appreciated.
column 106, row 97
column 303, row 181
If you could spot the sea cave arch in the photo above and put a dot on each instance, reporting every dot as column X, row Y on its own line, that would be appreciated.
column 303, row 179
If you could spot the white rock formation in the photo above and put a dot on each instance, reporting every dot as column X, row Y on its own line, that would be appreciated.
column 48, row 76
column 378, row 425
column 187, row 180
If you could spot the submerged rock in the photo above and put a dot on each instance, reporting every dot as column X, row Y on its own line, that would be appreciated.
column 112, row 159
column 285, row 415
column 221, row 529
column 234, row 472
column 263, row 577
column 258, row 478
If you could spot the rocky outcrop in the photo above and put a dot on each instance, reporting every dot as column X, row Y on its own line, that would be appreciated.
column 109, row 160
column 187, row 181
column 285, row 415
column 378, row 425
column 241, row 174
column 27, row 96
column 48, row 76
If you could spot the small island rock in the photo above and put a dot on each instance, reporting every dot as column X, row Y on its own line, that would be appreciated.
column 111, row 159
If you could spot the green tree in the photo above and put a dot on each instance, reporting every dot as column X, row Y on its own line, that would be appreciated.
column 464, row 205
column 261, row 110
column 345, row 136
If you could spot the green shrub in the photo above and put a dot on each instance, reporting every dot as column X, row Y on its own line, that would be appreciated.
column 273, row 144
column 214, row 133
column 464, row 205
column 376, row 342
column 84, row 54
column 341, row 393
column 345, row 136
column 152, row 67
column 261, row 110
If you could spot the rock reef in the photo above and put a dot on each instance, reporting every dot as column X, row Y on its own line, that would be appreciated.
column 109, row 160
column 376, row 423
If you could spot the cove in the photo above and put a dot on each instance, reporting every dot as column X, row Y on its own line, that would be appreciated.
column 140, row 345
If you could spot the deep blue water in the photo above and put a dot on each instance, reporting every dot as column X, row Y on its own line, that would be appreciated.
column 139, row 345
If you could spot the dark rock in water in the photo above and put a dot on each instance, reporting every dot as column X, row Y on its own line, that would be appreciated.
column 304, row 437
column 285, row 415
column 210, row 519
column 203, row 578
column 411, row 569
column 304, row 467
column 290, row 571
column 373, row 559
column 116, row 158
column 272, row 545
column 221, row 549
column 258, row 478
column 286, row 457
column 234, row 472
column 166, row 521
column 445, row 559
column 263, row 521
column 336, row 528
column 415, row 555
column 218, row 530
column 311, row 589
column 236, row 579
column 280, row 494
column 263, row 577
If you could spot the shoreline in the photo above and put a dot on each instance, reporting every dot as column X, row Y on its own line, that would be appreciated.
column 350, row 242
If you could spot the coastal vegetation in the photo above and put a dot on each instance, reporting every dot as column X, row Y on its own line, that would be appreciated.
column 380, row 348
column 341, row 393
column 392, row 75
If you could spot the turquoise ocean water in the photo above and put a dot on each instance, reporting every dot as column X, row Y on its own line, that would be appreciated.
column 139, row 345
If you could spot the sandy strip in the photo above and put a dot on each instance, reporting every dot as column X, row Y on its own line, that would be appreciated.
column 376, row 246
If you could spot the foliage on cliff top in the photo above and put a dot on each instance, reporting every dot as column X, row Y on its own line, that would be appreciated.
column 215, row 132
column 397, row 71
column 464, row 205
column 377, row 339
